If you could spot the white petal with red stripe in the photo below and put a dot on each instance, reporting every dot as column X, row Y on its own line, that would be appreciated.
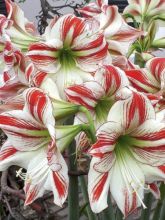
column 131, row 110
column 86, row 94
column 99, row 181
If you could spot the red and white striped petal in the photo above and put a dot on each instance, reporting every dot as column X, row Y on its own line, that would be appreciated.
column 154, row 188
column 59, row 180
column 42, row 176
column 39, row 106
column 86, row 94
column 126, row 184
column 141, row 80
column 110, row 20
column 121, row 40
column 107, row 136
column 45, row 56
column 90, row 51
column 9, row 156
column 99, row 181
column 21, row 28
column 13, row 103
column 90, row 10
column 34, row 125
column 122, row 62
column 111, row 78
column 131, row 110
column 156, row 66
column 153, row 174
column 66, row 29
column 149, row 143
column 70, row 76
column 23, row 131
column 10, row 86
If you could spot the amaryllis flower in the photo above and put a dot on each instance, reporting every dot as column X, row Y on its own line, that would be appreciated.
column 97, row 96
column 70, row 53
column 34, row 143
column 21, row 32
column 144, row 10
column 150, row 80
column 117, row 32
column 129, row 154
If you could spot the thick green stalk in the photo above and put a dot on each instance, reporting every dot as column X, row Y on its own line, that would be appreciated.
column 73, row 195
column 91, row 131
column 139, row 60
column 91, row 215
column 148, row 199
column 160, row 203
column 108, row 213
column 162, row 213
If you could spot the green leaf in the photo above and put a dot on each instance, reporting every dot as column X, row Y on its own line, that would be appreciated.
column 160, row 43
column 159, row 17
column 136, row 25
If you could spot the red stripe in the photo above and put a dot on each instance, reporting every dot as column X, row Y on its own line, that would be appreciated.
column 42, row 59
column 98, row 188
column 72, row 22
column 42, row 47
column 91, row 45
column 162, row 168
column 14, row 122
column 133, row 203
column 37, row 102
column 10, row 151
column 138, row 75
column 31, row 195
column 100, row 54
column 153, row 136
column 138, row 103
column 60, row 184
column 29, row 72
column 39, row 77
column 111, row 74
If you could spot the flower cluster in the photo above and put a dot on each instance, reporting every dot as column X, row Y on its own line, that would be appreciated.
column 80, row 67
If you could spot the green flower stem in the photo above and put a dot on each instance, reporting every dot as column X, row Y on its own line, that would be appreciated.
column 148, row 199
column 91, row 129
column 160, row 204
column 108, row 213
column 162, row 213
column 139, row 60
column 160, row 43
column 73, row 195
column 91, row 215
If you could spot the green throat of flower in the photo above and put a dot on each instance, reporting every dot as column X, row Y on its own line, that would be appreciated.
column 66, row 57
column 102, row 109
column 123, row 146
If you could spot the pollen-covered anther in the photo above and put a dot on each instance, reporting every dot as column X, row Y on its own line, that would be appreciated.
column 21, row 174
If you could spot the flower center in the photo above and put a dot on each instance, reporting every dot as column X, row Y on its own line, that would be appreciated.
column 66, row 57
column 102, row 108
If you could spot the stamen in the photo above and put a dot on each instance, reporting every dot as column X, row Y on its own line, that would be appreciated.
column 144, row 207
column 20, row 174
column 130, row 176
